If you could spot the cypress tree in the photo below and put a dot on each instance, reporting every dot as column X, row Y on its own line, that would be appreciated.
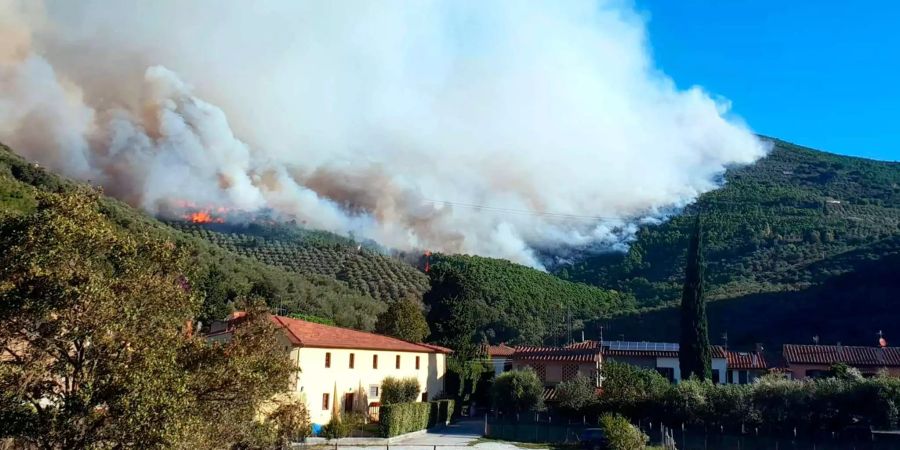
column 694, row 356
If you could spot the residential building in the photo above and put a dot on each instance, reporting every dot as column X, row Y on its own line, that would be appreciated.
column 500, row 356
column 811, row 361
column 342, row 369
column 661, row 356
column 745, row 367
column 554, row 365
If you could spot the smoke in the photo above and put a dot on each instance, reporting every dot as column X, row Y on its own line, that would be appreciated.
column 487, row 127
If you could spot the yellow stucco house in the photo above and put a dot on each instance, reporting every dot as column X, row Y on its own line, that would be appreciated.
column 348, row 363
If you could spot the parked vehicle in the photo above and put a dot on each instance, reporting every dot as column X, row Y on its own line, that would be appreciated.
column 593, row 439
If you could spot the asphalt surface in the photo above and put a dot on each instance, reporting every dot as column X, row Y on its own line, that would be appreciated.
column 457, row 436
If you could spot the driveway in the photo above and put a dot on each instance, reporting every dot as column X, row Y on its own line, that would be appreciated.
column 461, row 435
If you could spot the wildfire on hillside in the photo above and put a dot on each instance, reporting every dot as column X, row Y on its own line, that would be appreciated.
column 203, row 217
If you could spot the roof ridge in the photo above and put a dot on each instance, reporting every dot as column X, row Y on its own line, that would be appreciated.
column 281, row 320
column 283, row 325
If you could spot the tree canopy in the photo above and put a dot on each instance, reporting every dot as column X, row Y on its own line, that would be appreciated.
column 694, row 356
column 405, row 320
column 96, row 341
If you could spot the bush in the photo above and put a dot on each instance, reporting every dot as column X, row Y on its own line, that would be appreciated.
column 631, row 390
column 395, row 390
column 399, row 418
column 344, row 427
column 576, row 394
column 516, row 391
column 621, row 434
column 291, row 420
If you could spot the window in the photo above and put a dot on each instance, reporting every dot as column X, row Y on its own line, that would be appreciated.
column 374, row 361
column 352, row 357
column 417, row 363
column 424, row 396
column 325, row 401
column 742, row 377
column 373, row 391
column 327, row 360
column 715, row 376
column 397, row 362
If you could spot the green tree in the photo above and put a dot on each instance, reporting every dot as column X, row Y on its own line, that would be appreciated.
column 98, row 350
column 517, row 391
column 694, row 356
column 403, row 320
column 577, row 393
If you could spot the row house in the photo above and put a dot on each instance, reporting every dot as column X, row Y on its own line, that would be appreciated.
column 813, row 361
column 556, row 364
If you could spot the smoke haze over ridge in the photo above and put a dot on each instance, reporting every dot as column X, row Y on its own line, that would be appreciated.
column 354, row 116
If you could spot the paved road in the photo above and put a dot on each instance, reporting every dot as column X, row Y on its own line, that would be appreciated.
column 458, row 436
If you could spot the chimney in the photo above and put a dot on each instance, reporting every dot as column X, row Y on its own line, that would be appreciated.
column 759, row 347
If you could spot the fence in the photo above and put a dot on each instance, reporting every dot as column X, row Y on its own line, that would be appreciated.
column 687, row 438
column 535, row 427
column 545, row 428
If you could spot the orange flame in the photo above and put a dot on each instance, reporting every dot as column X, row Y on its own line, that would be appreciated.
column 204, row 217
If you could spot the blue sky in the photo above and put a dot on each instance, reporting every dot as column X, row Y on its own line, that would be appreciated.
column 824, row 74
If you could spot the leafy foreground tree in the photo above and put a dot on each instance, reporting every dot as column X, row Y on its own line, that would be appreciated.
column 96, row 348
column 517, row 391
column 404, row 320
column 694, row 356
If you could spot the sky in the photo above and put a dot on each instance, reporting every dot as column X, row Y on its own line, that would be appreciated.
column 824, row 74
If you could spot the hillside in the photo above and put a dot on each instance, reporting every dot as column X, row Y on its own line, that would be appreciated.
column 475, row 298
column 362, row 268
column 784, row 224
column 222, row 277
column 850, row 308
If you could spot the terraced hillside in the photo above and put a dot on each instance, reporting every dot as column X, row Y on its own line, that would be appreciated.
column 783, row 224
column 221, row 277
column 361, row 267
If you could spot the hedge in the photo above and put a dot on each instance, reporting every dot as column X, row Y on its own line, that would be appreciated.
column 402, row 418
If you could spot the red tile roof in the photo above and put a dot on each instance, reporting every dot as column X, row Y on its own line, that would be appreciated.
column 832, row 354
column 500, row 350
column 565, row 354
column 746, row 360
column 308, row 334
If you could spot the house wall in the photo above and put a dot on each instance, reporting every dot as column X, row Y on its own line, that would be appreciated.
column 802, row 370
column 314, row 379
column 552, row 373
column 500, row 364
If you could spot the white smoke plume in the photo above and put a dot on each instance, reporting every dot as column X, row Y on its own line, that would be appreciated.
column 366, row 117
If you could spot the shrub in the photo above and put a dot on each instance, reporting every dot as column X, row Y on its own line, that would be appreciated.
column 516, row 391
column 631, row 390
column 686, row 402
column 400, row 418
column 621, row 434
column 576, row 394
column 291, row 419
column 340, row 428
column 395, row 390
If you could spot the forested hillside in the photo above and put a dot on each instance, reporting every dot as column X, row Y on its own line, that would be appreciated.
column 475, row 298
column 850, row 308
column 784, row 224
column 221, row 275
column 363, row 268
